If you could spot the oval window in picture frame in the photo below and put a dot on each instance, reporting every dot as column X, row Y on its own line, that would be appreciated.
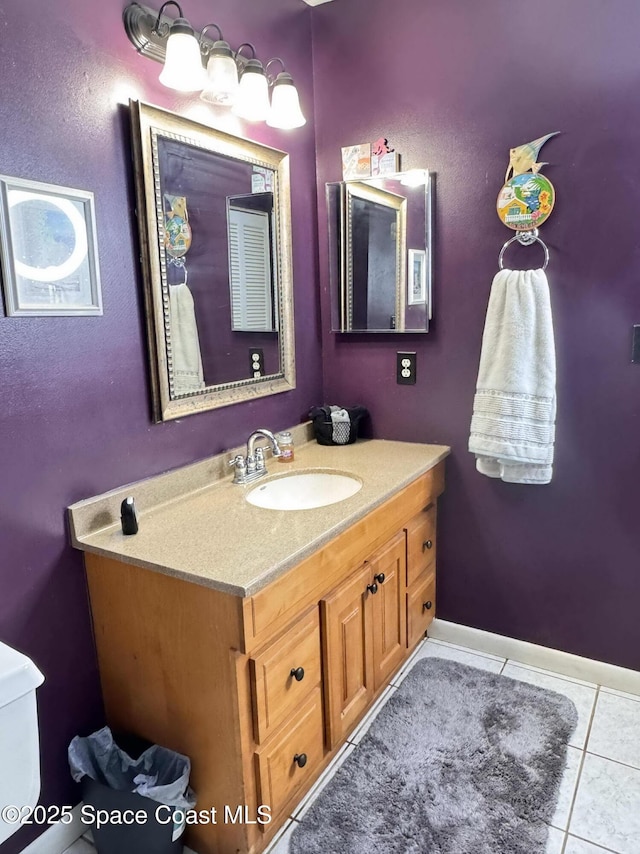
column 185, row 175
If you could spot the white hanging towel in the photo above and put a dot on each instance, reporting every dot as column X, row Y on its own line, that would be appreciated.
column 185, row 344
column 514, row 408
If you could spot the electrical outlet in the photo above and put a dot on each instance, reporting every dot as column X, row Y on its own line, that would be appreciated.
column 406, row 368
column 256, row 362
column 635, row 347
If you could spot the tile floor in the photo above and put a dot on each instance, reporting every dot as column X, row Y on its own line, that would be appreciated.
column 599, row 805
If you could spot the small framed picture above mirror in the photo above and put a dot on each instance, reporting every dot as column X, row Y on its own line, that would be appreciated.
column 380, row 257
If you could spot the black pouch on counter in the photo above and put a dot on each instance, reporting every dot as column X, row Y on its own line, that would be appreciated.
column 335, row 425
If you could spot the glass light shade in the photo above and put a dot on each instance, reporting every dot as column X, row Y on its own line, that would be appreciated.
column 222, row 76
column 252, row 102
column 415, row 177
column 183, row 69
column 285, row 109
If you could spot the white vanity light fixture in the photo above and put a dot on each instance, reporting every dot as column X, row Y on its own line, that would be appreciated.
column 222, row 82
column 231, row 79
column 285, row 109
column 182, row 69
column 252, row 102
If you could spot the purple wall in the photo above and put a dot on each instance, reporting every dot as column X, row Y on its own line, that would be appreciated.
column 454, row 86
column 75, row 415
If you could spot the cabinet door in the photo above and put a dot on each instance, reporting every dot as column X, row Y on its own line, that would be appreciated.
column 388, row 570
column 348, row 671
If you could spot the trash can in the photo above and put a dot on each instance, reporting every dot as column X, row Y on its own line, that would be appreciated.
column 135, row 805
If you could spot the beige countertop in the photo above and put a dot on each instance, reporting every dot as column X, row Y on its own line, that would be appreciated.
column 207, row 533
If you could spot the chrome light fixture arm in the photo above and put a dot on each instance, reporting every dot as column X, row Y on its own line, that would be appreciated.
column 147, row 30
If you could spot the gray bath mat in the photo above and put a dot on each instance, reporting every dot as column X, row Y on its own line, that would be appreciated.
column 459, row 761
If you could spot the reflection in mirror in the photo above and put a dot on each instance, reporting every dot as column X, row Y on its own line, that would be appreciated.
column 380, row 253
column 249, row 230
column 216, row 262
column 375, row 252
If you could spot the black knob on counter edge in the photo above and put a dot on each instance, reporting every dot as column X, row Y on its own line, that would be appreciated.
column 300, row 759
column 428, row 544
column 426, row 606
column 297, row 673
column 372, row 588
column 379, row 578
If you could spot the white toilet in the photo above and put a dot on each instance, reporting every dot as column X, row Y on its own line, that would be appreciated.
column 19, row 743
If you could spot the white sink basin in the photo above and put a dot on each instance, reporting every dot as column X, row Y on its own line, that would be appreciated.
column 304, row 491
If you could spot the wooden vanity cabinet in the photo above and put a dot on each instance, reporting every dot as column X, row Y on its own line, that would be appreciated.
column 261, row 691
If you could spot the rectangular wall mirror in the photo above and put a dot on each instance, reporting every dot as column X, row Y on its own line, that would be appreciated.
column 380, row 253
column 215, row 231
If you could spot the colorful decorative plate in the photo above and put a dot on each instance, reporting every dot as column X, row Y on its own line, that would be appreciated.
column 526, row 201
column 177, row 231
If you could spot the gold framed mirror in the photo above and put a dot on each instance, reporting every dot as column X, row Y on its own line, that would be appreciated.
column 375, row 224
column 214, row 216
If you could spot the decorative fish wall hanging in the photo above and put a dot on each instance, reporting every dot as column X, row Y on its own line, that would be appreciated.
column 527, row 197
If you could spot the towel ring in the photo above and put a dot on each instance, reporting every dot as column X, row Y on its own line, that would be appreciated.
column 180, row 264
column 525, row 238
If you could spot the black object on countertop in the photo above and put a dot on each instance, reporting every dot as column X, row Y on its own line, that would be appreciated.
column 335, row 425
column 129, row 516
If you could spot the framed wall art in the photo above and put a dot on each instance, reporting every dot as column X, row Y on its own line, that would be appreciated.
column 417, row 279
column 48, row 249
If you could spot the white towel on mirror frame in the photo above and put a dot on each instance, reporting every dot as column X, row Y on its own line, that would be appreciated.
column 514, row 408
column 185, row 344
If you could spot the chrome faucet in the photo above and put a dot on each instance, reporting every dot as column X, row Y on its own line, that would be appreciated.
column 251, row 467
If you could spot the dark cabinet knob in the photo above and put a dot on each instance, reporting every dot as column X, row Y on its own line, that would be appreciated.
column 300, row 759
column 427, row 606
column 379, row 578
column 297, row 673
column 373, row 588
column 428, row 544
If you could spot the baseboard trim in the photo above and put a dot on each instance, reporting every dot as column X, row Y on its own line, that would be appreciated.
column 587, row 669
column 57, row 838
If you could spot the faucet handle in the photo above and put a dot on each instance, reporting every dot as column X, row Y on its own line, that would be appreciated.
column 240, row 468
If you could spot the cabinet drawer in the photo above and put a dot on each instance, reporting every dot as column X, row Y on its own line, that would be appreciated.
column 278, row 770
column 421, row 543
column 421, row 607
column 284, row 674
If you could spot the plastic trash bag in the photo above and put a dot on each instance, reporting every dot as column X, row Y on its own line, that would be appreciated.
column 158, row 773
